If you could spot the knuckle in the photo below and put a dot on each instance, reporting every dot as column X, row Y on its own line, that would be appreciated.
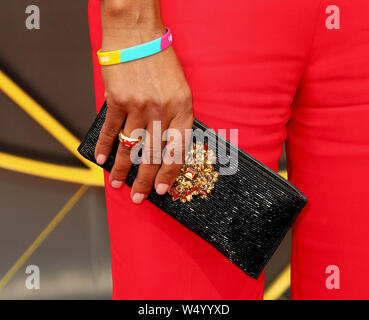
column 157, row 109
column 120, row 168
column 187, row 96
column 139, row 106
column 142, row 101
column 124, row 153
column 143, row 183
column 169, row 172
column 182, row 105
column 119, row 173
column 177, row 146
column 120, row 165
column 153, row 149
column 104, row 143
column 186, row 103
column 110, row 131
column 152, row 153
column 184, row 96
column 139, row 103
column 170, row 100
column 117, row 100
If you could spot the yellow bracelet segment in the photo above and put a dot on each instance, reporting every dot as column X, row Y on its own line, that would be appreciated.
column 108, row 57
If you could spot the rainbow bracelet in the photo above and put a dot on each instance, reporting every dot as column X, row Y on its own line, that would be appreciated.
column 136, row 52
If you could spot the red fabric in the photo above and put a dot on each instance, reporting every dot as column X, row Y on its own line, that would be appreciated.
column 277, row 73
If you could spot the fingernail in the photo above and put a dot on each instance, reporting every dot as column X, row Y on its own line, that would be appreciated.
column 116, row 184
column 138, row 198
column 162, row 188
column 101, row 158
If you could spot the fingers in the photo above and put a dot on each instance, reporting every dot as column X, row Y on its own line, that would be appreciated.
column 123, row 159
column 151, row 170
column 121, row 167
column 143, row 182
column 178, row 136
column 109, row 133
column 150, row 163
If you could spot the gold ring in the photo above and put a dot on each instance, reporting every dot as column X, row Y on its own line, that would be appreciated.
column 127, row 141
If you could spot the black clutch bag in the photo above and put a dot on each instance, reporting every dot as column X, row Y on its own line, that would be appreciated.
column 247, row 214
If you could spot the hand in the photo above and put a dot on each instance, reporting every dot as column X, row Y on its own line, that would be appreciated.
column 143, row 91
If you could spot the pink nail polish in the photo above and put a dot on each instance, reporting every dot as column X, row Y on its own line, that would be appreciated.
column 138, row 198
column 101, row 158
column 162, row 188
column 116, row 184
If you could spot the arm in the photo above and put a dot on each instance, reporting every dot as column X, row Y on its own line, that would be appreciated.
column 141, row 91
column 129, row 22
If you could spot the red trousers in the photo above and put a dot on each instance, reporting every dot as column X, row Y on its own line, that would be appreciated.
column 287, row 70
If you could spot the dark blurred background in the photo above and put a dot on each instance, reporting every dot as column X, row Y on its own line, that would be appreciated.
column 39, row 225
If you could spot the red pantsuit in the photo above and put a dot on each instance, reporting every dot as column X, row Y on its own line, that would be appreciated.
column 286, row 70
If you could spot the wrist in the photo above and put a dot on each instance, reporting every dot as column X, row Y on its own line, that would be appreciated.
column 149, row 48
column 127, row 23
column 116, row 39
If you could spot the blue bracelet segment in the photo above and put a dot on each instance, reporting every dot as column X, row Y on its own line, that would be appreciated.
column 136, row 52
column 141, row 51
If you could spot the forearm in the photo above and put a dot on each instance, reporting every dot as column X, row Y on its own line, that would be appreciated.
column 129, row 22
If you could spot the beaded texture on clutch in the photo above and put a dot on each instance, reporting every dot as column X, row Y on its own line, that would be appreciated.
column 244, row 216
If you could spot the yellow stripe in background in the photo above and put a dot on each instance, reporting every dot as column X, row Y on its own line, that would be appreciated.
column 279, row 285
column 52, row 171
column 92, row 175
column 41, row 116
column 42, row 236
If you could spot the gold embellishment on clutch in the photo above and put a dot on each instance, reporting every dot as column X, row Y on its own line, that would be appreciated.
column 197, row 175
